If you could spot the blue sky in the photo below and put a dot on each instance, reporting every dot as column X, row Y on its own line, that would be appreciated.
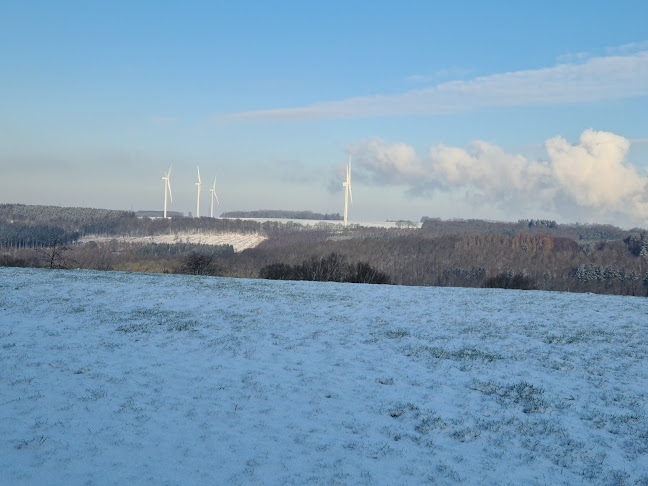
column 498, row 110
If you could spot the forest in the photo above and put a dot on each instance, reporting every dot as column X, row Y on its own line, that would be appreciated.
column 527, row 254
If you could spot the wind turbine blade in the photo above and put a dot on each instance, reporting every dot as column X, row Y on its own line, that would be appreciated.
column 169, row 186
column 350, row 193
column 169, row 173
column 198, row 174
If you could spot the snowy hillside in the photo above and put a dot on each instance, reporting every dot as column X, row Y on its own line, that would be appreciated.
column 115, row 378
column 240, row 241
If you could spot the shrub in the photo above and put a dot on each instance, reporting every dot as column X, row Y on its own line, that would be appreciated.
column 331, row 268
column 197, row 263
column 278, row 271
column 365, row 273
column 11, row 261
column 508, row 280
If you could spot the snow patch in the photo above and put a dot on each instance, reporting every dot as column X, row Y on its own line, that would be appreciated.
column 239, row 241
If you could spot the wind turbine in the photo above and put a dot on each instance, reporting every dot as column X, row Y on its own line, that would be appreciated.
column 213, row 195
column 198, row 202
column 347, row 192
column 167, row 188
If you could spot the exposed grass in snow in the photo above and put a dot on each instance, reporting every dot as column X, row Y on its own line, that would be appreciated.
column 116, row 378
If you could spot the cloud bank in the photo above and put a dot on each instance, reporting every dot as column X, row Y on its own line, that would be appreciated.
column 590, row 177
column 596, row 79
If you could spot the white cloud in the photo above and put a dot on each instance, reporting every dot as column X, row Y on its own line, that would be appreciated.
column 629, row 48
column 590, row 177
column 596, row 79
column 484, row 166
column 593, row 172
column 387, row 164
column 438, row 75
column 573, row 57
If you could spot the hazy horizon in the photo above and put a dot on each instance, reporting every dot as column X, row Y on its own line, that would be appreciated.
column 490, row 111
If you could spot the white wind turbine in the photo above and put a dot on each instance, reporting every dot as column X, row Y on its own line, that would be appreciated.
column 347, row 193
column 167, row 188
column 213, row 195
column 198, row 202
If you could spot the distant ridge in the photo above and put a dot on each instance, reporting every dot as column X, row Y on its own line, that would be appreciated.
column 36, row 213
column 282, row 214
column 579, row 232
column 529, row 254
column 159, row 214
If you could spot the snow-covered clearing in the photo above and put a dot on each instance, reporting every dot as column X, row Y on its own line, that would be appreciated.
column 240, row 241
column 117, row 378
column 330, row 223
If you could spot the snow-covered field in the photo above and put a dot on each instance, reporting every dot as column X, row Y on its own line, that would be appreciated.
column 117, row 378
column 240, row 241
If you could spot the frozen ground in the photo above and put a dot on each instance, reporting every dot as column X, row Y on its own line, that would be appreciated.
column 116, row 378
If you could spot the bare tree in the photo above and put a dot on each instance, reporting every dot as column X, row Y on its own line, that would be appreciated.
column 54, row 253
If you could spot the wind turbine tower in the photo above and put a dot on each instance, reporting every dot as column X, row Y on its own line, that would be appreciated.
column 198, row 201
column 167, row 188
column 213, row 195
column 347, row 193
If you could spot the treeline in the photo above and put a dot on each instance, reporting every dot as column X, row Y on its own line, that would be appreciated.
column 23, row 226
column 19, row 235
column 159, row 214
column 282, row 214
column 536, row 254
column 577, row 232
column 520, row 261
column 57, row 215
column 331, row 268
column 26, row 226
column 613, row 280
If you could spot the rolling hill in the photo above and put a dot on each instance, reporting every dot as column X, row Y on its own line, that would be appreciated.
column 121, row 378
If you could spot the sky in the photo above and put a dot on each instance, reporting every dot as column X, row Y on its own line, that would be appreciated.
column 497, row 110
